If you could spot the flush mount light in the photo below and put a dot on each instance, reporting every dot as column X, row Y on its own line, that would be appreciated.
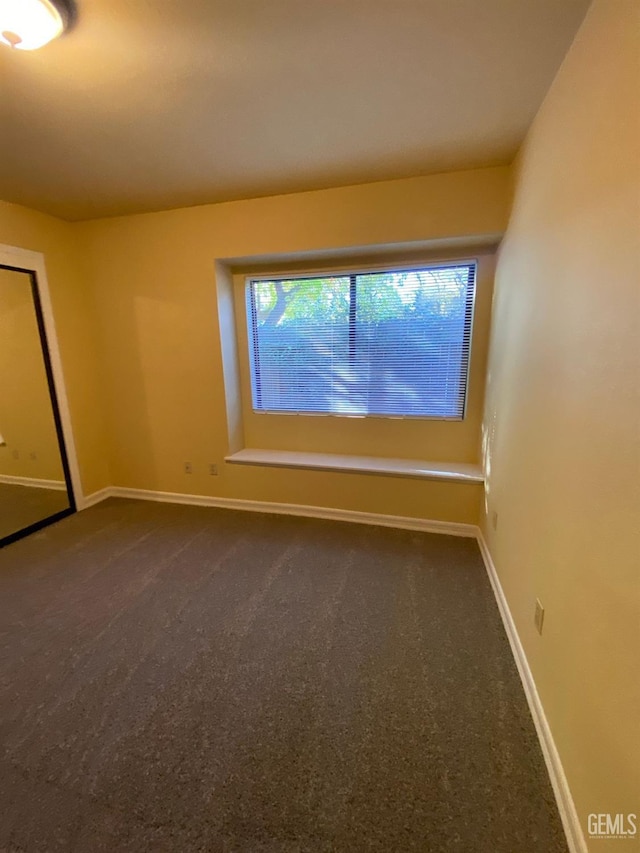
column 30, row 24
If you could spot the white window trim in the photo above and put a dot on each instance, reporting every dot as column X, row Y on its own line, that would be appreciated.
column 367, row 269
column 454, row 472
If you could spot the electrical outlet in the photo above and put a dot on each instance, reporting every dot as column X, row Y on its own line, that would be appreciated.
column 494, row 520
column 188, row 468
column 213, row 470
column 538, row 619
column 16, row 454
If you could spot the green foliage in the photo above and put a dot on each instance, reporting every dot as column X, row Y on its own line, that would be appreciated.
column 314, row 300
column 380, row 297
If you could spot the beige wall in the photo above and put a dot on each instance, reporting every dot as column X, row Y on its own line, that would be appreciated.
column 27, row 425
column 75, row 323
column 136, row 309
column 154, row 282
column 562, row 416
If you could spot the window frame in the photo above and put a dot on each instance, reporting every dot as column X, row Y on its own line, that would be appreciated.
column 351, row 272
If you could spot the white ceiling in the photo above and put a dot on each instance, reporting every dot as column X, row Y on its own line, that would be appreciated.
column 150, row 104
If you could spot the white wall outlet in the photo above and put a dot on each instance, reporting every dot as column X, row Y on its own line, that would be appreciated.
column 213, row 469
column 494, row 520
column 538, row 619
column 188, row 469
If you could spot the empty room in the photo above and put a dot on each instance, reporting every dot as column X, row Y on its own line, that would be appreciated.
column 319, row 426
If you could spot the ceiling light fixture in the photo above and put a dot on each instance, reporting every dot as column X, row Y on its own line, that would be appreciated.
column 30, row 24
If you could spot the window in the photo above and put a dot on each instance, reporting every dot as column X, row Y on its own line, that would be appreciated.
column 393, row 343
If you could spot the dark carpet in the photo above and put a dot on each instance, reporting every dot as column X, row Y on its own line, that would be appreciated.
column 189, row 679
column 21, row 506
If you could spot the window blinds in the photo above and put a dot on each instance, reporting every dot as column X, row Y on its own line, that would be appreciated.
column 392, row 343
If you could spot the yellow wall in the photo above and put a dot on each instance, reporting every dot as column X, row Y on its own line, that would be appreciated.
column 562, row 416
column 155, row 288
column 26, row 415
column 136, row 309
column 75, row 323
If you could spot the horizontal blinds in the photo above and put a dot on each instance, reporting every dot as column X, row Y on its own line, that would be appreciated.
column 392, row 343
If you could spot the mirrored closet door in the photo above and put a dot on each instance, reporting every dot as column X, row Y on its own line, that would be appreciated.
column 35, row 482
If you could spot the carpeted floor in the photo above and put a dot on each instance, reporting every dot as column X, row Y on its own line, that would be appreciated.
column 187, row 679
column 21, row 506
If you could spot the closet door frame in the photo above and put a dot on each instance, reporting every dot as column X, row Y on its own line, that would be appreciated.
column 33, row 264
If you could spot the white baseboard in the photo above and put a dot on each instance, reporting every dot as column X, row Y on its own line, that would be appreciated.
column 449, row 528
column 566, row 807
column 564, row 800
column 406, row 523
column 34, row 482
column 95, row 498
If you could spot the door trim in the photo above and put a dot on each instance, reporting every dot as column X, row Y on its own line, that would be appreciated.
column 33, row 263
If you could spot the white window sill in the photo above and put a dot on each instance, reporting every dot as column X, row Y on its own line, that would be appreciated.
column 456, row 472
